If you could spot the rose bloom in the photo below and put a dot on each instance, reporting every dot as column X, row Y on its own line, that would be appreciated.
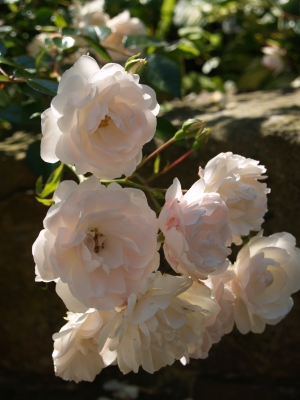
column 122, row 25
column 222, row 321
column 91, row 13
column 75, row 354
column 267, row 273
column 235, row 178
column 272, row 59
column 196, row 230
column 38, row 43
column 99, row 120
column 158, row 325
column 99, row 241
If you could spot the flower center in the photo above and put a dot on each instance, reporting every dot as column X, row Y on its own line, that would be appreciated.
column 98, row 240
column 104, row 122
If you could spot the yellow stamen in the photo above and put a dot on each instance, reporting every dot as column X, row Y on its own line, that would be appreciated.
column 104, row 122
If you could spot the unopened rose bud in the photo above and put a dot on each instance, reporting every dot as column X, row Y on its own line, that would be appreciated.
column 191, row 128
column 201, row 138
column 135, row 65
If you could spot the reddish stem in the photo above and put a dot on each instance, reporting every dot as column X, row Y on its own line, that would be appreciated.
column 176, row 162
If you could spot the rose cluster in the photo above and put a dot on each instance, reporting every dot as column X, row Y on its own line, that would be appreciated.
column 101, row 241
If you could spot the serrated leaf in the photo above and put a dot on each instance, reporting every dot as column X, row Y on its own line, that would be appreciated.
column 8, row 61
column 96, row 46
column 142, row 41
column 66, row 42
column 44, row 86
column 98, row 33
column 25, row 61
column 70, row 31
column 24, row 72
column 51, row 184
column 164, row 74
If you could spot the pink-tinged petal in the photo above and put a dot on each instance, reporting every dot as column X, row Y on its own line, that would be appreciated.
column 51, row 134
column 72, row 304
column 241, row 317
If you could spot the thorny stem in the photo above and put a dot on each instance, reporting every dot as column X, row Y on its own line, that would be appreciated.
column 166, row 169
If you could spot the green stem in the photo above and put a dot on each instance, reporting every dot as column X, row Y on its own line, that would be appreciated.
column 162, row 147
column 150, row 194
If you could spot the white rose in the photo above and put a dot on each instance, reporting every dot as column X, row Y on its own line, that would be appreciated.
column 235, row 178
column 99, row 120
column 272, row 59
column 196, row 230
column 122, row 25
column 267, row 273
column 99, row 241
column 158, row 325
column 75, row 354
column 38, row 43
column 91, row 13
column 222, row 321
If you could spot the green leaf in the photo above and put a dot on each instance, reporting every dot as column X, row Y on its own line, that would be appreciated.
column 66, row 42
column 39, row 58
column 9, row 61
column 98, row 33
column 44, row 86
column 5, row 28
column 166, row 15
column 164, row 129
column 24, row 72
column 4, row 98
column 96, row 46
column 43, row 16
column 70, row 31
column 142, row 41
column 51, row 184
column 164, row 74
column 18, row 114
column 25, row 61
column 184, row 47
column 59, row 21
column 3, row 49
column 46, row 202
column 4, row 78
column 191, row 32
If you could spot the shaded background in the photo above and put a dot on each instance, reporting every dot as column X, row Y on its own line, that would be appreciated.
column 261, row 125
